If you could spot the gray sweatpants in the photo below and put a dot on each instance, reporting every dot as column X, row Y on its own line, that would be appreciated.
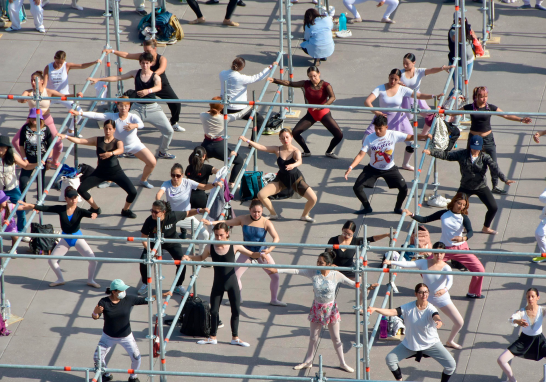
column 129, row 344
column 153, row 114
column 436, row 351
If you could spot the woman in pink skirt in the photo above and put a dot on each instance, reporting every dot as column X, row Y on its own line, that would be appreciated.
column 324, row 310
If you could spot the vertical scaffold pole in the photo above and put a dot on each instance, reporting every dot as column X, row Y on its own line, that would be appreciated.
column 357, row 308
column 281, row 50
column 484, row 28
column 150, row 300
column 464, row 62
column 107, row 16
column 37, row 98
column 118, row 45
column 415, row 163
column 226, row 99
column 254, row 132
column 391, row 244
column 457, row 59
column 76, row 134
column 289, row 47
column 3, row 304
column 193, row 254
column 160, row 314
column 154, row 31
column 366, row 359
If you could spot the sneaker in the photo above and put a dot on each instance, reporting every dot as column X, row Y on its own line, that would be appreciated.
column 438, row 201
column 145, row 183
column 79, row 8
column 240, row 3
column 128, row 214
column 212, row 2
column 364, row 211
column 304, row 155
column 10, row 29
column 538, row 6
column 525, row 6
column 143, row 289
column 135, row 379
column 104, row 185
column 398, row 211
column 25, row 239
column 180, row 290
column 278, row 303
column 177, row 127
column 238, row 342
column 307, row 219
column 141, row 12
column 472, row 295
column 220, row 324
column 107, row 377
column 41, row 29
column 127, row 155
column 386, row 20
column 208, row 341
column 161, row 155
column 332, row 155
column 497, row 190
column 273, row 217
column 539, row 259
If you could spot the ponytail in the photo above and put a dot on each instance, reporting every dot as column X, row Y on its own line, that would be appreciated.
column 196, row 158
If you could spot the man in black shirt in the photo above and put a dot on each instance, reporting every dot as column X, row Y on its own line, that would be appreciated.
column 162, row 210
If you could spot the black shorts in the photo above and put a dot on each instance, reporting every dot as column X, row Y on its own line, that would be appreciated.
column 392, row 177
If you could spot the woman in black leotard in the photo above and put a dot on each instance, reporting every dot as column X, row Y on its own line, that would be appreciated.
column 108, row 168
column 200, row 172
column 224, row 281
column 317, row 92
column 287, row 177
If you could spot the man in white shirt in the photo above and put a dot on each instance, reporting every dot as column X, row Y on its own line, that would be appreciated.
column 237, row 84
column 422, row 322
column 380, row 147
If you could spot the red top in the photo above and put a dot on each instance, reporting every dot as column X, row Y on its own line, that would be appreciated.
column 316, row 97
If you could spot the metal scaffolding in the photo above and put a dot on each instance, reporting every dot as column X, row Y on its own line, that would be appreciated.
column 154, row 261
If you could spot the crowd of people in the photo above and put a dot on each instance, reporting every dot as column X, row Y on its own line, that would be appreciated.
column 184, row 196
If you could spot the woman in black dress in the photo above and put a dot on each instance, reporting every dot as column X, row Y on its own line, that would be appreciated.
column 288, row 176
column 200, row 172
column 531, row 343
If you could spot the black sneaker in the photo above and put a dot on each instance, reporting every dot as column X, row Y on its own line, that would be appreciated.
column 497, row 190
column 364, row 211
column 472, row 295
column 220, row 324
column 107, row 377
column 134, row 379
column 241, row 4
column 128, row 214
column 97, row 211
column 212, row 2
column 398, row 211
column 141, row 13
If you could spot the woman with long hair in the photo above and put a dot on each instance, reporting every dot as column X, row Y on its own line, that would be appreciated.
column 213, row 126
column 255, row 228
column 473, row 164
column 455, row 222
column 531, row 343
column 391, row 95
column 126, row 125
column 108, row 148
column 316, row 92
column 324, row 311
column 70, row 216
column 289, row 176
column 8, row 177
column 224, row 281
column 470, row 36
column 440, row 285
column 200, row 172
column 317, row 36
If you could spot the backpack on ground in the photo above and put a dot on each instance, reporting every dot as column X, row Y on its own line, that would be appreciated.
column 251, row 184
column 195, row 317
column 41, row 244
column 85, row 170
column 423, row 241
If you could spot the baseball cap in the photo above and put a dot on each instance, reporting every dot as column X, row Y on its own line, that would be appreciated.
column 32, row 114
column 476, row 142
column 118, row 284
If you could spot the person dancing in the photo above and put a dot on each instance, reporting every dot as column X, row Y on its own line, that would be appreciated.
column 316, row 92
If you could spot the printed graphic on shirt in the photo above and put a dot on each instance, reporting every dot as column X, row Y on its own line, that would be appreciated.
column 381, row 149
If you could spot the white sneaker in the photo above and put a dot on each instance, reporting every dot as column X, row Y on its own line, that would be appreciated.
column 41, row 29
column 10, row 29
column 208, row 341
column 25, row 239
column 437, row 201
column 177, row 127
column 145, row 183
column 104, row 184
column 143, row 289
column 386, row 20
column 240, row 343
column 78, row 7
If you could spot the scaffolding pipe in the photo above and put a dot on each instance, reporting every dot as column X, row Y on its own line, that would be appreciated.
column 118, row 46
column 464, row 62
column 357, row 345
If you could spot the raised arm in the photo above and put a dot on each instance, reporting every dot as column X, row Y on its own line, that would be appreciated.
column 425, row 219
column 80, row 141
column 439, row 69
column 428, row 96
column 451, row 156
column 71, row 65
column 292, row 84
column 247, row 80
column 384, row 312
column 127, row 56
column 209, row 186
column 123, row 77
column 515, row 118
column 260, row 147
column 201, row 257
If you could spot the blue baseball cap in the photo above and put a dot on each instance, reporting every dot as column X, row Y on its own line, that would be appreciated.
column 476, row 142
column 118, row 284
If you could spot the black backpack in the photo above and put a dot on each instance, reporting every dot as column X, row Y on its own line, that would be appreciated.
column 41, row 244
column 195, row 317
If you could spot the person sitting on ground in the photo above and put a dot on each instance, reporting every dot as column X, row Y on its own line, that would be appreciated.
column 317, row 38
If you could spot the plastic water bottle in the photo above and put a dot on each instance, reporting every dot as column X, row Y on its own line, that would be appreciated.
column 383, row 327
column 342, row 22
column 8, row 310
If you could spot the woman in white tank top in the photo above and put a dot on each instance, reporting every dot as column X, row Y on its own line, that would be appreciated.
column 56, row 78
column 439, row 288
column 37, row 82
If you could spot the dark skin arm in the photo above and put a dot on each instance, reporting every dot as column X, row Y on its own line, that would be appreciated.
column 292, row 84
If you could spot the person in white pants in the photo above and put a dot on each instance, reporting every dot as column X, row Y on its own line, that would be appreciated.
column 391, row 6
column 527, row 5
column 56, row 78
column 540, row 233
column 178, row 193
column 35, row 8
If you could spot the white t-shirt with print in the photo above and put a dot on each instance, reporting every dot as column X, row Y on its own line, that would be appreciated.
column 421, row 332
column 179, row 197
column 381, row 149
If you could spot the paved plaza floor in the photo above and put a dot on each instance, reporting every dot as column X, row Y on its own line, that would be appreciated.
column 57, row 328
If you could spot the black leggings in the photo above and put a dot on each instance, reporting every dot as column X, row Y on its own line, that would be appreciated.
column 486, row 197
column 24, row 177
column 231, row 8
column 231, row 286
column 216, row 150
column 392, row 182
column 176, row 252
column 168, row 93
column 198, row 199
column 195, row 8
column 328, row 121
column 259, row 118
column 489, row 147
column 98, row 176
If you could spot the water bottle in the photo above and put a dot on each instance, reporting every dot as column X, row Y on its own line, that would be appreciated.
column 8, row 310
column 383, row 327
column 342, row 22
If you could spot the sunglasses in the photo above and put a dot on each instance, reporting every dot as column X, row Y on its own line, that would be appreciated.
column 154, row 212
column 176, row 176
column 422, row 292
